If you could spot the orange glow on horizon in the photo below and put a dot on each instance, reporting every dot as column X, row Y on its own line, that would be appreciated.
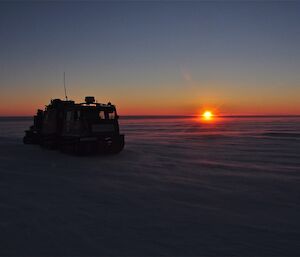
column 27, row 106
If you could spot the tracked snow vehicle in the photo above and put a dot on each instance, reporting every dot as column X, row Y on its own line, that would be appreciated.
column 78, row 128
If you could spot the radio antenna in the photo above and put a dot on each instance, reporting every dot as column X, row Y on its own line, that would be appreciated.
column 65, row 87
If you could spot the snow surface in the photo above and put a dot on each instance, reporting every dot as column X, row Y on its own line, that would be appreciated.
column 181, row 187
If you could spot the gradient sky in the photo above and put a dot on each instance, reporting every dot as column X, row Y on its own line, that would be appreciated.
column 159, row 57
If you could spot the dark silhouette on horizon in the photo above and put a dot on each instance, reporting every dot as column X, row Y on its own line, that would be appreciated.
column 78, row 128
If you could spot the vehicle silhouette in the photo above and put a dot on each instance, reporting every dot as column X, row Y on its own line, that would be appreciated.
column 77, row 128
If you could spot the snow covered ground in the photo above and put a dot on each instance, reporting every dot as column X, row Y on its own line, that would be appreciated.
column 181, row 187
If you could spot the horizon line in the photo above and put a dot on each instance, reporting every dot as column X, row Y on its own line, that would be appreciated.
column 180, row 115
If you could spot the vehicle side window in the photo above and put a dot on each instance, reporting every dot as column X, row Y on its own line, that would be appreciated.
column 101, row 115
column 69, row 116
column 76, row 115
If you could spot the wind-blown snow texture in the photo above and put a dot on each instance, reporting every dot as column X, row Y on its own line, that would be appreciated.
column 179, row 188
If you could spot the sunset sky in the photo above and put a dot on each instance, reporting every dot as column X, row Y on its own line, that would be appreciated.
column 156, row 57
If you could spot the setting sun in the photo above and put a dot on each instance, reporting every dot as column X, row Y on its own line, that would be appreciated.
column 207, row 115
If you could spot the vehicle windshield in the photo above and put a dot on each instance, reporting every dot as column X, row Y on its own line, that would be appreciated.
column 112, row 115
column 90, row 114
column 93, row 115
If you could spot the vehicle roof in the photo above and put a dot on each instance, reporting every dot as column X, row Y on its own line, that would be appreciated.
column 67, row 104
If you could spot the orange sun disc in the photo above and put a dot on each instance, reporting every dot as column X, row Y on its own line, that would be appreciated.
column 207, row 115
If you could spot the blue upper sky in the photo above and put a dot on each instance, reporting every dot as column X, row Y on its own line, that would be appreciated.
column 236, row 56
